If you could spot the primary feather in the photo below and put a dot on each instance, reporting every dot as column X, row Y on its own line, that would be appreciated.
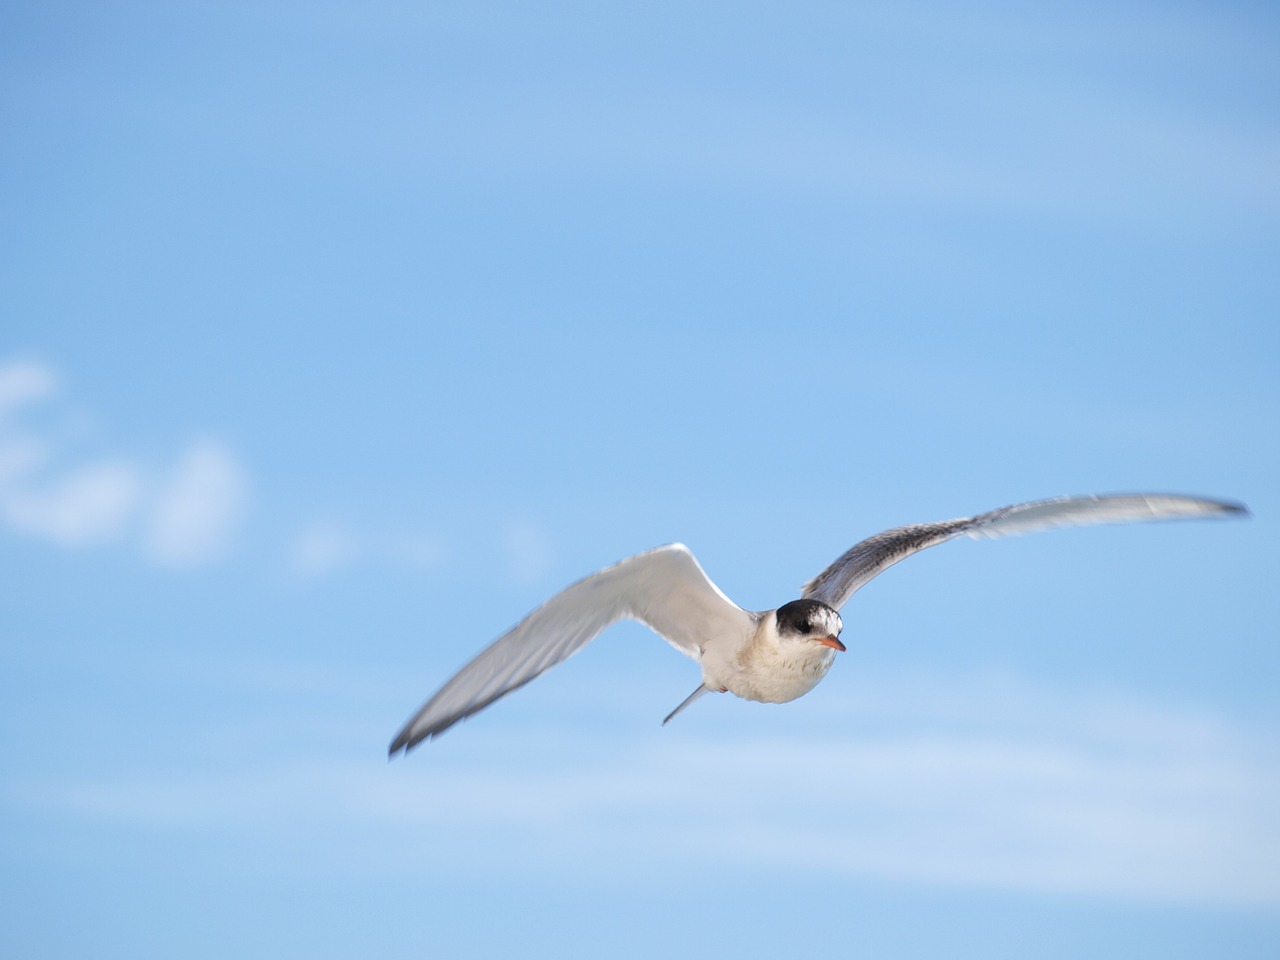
column 865, row 561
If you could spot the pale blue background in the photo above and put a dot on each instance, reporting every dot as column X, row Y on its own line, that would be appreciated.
column 336, row 336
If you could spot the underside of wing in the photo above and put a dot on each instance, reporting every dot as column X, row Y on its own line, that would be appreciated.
column 664, row 588
column 870, row 558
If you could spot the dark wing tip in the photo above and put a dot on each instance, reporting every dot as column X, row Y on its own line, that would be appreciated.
column 400, row 744
column 1224, row 508
column 407, row 740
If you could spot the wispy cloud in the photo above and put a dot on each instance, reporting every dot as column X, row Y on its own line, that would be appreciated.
column 322, row 548
column 22, row 382
column 325, row 547
column 187, row 514
column 84, row 505
column 197, row 510
column 1018, row 785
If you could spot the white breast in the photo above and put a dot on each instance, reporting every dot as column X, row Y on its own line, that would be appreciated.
column 768, row 669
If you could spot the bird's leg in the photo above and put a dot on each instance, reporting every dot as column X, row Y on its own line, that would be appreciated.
column 702, row 688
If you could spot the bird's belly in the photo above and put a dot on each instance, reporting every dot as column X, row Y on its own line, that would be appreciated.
column 781, row 679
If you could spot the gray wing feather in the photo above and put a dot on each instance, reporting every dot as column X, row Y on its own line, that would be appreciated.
column 870, row 558
column 664, row 588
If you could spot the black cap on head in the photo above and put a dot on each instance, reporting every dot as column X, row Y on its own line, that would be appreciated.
column 806, row 617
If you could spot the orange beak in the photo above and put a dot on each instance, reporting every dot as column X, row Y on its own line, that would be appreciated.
column 832, row 642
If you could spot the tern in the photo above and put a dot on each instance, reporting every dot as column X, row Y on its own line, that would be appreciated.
column 772, row 656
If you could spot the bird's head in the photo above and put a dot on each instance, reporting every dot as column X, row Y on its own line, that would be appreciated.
column 810, row 620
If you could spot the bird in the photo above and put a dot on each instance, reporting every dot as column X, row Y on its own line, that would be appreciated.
column 770, row 656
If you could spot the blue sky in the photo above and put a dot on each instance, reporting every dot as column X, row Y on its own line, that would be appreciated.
column 336, row 337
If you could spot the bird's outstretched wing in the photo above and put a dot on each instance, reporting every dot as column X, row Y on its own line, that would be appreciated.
column 663, row 588
column 873, row 556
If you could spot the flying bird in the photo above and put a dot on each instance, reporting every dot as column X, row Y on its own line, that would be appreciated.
column 771, row 656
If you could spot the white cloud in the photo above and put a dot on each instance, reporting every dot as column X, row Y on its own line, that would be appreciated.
column 86, row 505
column 1020, row 786
column 187, row 517
column 322, row 548
column 196, row 512
column 1008, row 812
column 23, row 382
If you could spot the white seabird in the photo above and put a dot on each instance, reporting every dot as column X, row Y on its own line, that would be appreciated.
column 771, row 656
